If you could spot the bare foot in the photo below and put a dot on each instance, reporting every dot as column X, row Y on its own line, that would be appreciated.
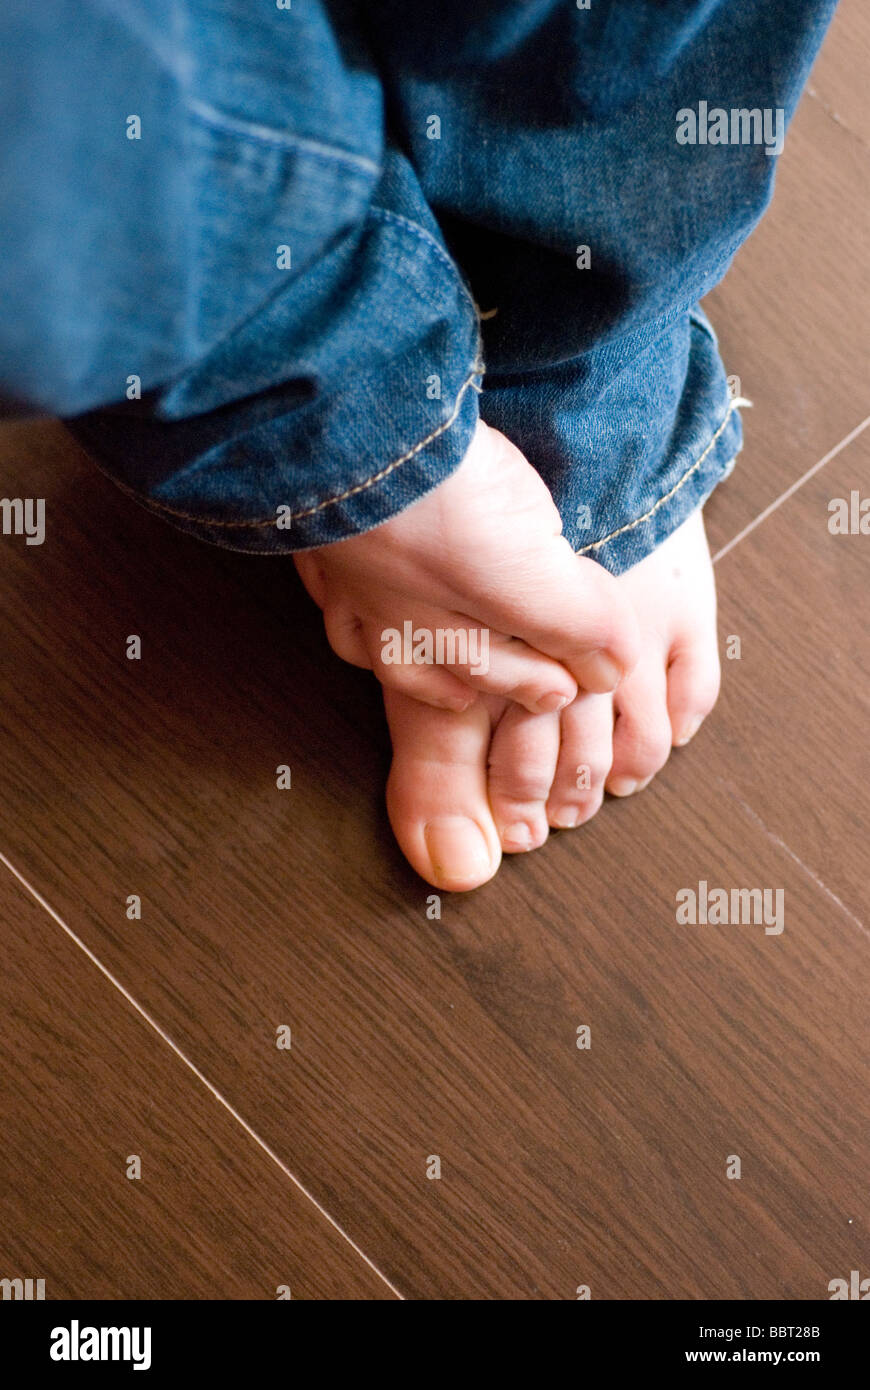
column 482, row 555
column 465, row 787
column 673, row 687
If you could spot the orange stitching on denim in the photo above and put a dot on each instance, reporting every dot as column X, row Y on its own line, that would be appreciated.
column 153, row 505
column 629, row 526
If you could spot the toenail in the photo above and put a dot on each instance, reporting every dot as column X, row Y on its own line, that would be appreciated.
column 517, row 836
column 457, row 848
column 689, row 732
column 565, row 818
column 609, row 671
column 549, row 704
column 622, row 786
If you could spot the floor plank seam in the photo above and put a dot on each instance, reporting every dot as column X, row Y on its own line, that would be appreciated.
column 790, row 491
column 240, row 1120
column 838, row 120
column 781, row 844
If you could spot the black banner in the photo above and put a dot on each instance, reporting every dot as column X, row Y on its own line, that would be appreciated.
column 159, row 1339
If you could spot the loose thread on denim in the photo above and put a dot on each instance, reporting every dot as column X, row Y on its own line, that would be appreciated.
column 630, row 525
column 153, row 505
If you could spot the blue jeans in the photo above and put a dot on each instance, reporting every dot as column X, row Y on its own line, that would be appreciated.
column 276, row 262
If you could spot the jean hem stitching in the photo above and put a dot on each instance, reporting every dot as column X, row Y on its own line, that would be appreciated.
column 630, row 525
column 415, row 229
column 154, row 505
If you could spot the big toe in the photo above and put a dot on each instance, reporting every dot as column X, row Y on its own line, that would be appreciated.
column 437, row 792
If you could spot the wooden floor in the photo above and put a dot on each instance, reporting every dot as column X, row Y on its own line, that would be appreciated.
column 305, row 1167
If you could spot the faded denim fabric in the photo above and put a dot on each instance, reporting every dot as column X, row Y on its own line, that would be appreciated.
column 414, row 163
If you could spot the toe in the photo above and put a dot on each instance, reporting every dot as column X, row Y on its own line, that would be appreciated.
column 522, row 762
column 642, row 731
column 437, row 792
column 693, row 683
column 344, row 634
column 465, row 660
column 509, row 669
column 585, row 756
column 429, row 685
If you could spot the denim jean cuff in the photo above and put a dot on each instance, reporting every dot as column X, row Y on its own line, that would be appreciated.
column 630, row 438
column 702, row 450
column 629, row 542
column 381, row 408
column 287, row 526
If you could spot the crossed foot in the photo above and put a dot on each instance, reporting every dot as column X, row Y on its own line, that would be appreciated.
column 591, row 681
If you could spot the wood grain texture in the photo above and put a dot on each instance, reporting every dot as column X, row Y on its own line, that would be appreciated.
column 456, row 1038
column 791, row 733
column 411, row 1037
column 839, row 79
column 86, row 1085
column 791, row 314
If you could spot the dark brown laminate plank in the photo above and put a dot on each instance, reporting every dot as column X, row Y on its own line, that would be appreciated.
column 86, row 1085
column 790, row 737
column 791, row 314
column 413, row 1037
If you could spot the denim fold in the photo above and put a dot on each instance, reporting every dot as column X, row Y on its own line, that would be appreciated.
column 273, row 264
